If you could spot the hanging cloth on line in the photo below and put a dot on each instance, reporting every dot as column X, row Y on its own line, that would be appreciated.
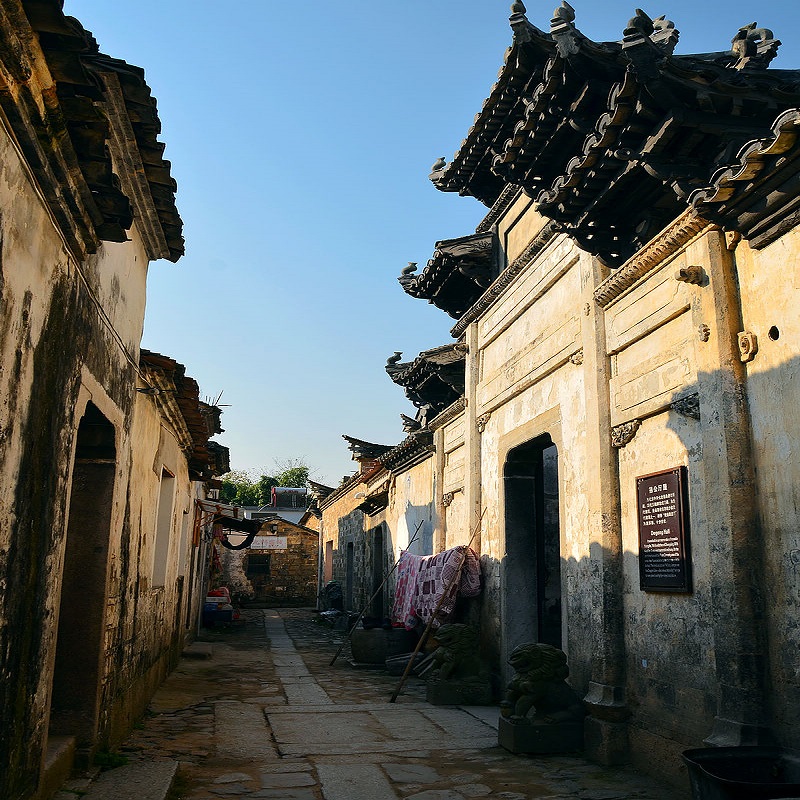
column 426, row 581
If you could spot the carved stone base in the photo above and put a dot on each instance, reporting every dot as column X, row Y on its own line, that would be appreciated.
column 528, row 737
column 728, row 733
column 606, row 742
column 445, row 693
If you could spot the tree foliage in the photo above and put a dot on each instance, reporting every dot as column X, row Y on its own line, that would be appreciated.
column 242, row 488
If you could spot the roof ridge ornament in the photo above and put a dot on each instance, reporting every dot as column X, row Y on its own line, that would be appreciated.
column 437, row 168
column 754, row 47
column 567, row 37
column 407, row 277
column 645, row 46
column 640, row 23
column 524, row 31
column 665, row 34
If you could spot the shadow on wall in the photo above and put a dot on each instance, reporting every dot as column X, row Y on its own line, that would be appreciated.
column 736, row 628
column 367, row 552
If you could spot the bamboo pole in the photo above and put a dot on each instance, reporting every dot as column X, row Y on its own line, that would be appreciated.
column 428, row 627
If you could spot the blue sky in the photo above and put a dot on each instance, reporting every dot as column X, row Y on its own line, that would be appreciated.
column 301, row 136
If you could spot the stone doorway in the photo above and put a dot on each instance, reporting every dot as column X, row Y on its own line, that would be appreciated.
column 379, row 607
column 349, row 576
column 77, row 671
column 532, row 594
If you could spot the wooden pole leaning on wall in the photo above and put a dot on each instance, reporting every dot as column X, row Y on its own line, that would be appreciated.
column 426, row 632
column 374, row 595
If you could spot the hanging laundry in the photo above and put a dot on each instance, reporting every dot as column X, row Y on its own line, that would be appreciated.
column 405, row 589
column 424, row 581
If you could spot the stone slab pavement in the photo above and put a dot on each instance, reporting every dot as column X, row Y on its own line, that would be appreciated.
column 266, row 716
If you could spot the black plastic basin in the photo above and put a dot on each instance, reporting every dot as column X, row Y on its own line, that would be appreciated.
column 743, row 773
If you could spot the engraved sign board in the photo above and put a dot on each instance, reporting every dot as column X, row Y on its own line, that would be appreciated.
column 269, row 543
column 664, row 554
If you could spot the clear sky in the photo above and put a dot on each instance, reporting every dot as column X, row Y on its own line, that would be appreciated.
column 301, row 136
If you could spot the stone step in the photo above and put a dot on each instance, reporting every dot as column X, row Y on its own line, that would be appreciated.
column 150, row 780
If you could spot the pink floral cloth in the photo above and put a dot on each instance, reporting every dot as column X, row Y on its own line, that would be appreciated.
column 403, row 607
column 425, row 581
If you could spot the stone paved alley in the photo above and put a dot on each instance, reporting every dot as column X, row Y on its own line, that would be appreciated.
column 266, row 717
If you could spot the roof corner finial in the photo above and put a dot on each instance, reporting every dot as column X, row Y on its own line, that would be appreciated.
column 754, row 47
column 518, row 7
column 393, row 359
column 438, row 164
column 640, row 24
column 412, row 267
column 565, row 12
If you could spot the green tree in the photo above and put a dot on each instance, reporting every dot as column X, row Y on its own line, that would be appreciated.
column 294, row 473
column 264, row 486
column 241, row 488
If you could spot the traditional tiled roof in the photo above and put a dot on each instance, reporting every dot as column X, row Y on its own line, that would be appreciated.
column 434, row 379
column 456, row 275
column 319, row 491
column 611, row 138
column 178, row 399
column 758, row 193
column 411, row 451
column 93, row 147
column 365, row 450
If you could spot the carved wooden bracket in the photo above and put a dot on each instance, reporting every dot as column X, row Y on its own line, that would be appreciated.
column 732, row 238
column 577, row 358
column 692, row 274
column 748, row 345
column 688, row 406
column 621, row 435
column 482, row 421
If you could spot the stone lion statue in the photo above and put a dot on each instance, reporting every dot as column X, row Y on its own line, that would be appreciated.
column 456, row 658
column 540, row 686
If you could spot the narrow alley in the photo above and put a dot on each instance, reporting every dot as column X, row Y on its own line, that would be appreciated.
column 257, row 712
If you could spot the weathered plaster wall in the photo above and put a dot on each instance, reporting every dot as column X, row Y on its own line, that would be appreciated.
column 147, row 619
column 770, row 288
column 528, row 388
column 49, row 331
column 58, row 354
column 411, row 506
column 651, row 338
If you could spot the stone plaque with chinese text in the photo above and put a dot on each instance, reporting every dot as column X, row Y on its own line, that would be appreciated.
column 664, row 562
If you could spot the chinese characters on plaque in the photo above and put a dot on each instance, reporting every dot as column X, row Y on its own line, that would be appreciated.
column 664, row 556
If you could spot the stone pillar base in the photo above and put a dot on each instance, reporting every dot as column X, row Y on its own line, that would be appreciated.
column 528, row 737
column 445, row 693
column 606, row 742
column 730, row 733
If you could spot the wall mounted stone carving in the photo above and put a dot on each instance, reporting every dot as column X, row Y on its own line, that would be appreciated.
column 482, row 422
column 704, row 333
column 448, row 498
column 748, row 346
column 577, row 358
column 732, row 238
column 621, row 435
column 691, row 274
column 688, row 406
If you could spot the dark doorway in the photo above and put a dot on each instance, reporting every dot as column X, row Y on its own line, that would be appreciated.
column 77, row 675
column 378, row 609
column 349, row 570
column 532, row 586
